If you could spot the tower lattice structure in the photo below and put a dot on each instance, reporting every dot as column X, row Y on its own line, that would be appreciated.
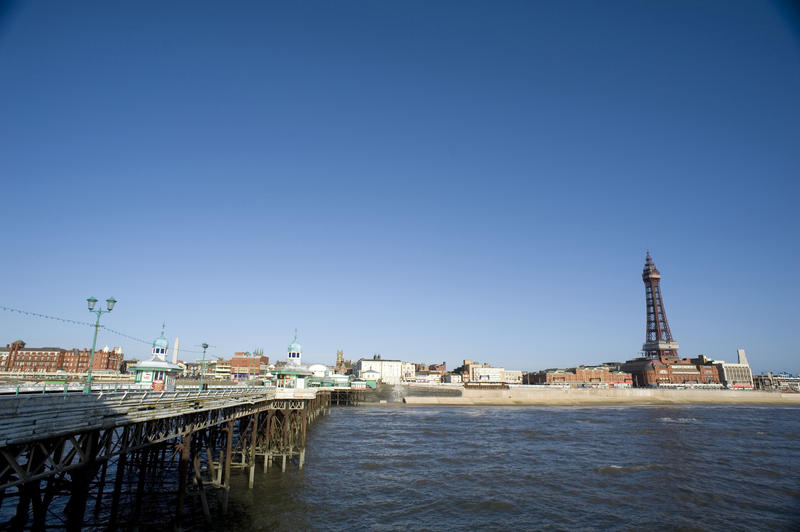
column 658, row 340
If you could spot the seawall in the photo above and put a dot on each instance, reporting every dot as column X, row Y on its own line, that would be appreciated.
column 524, row 395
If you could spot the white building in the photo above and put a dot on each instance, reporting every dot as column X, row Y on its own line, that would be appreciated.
column 486, row 374
column 390, row 371
column 408, row 371
column 736, row 375
column 428, row 377
column 319, row 370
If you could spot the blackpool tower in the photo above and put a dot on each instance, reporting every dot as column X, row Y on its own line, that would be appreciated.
column 658, row 340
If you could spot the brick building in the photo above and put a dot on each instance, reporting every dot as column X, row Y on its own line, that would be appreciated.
column 17, row 357
column 245, row 365
column 651, row 372
column 583, row 376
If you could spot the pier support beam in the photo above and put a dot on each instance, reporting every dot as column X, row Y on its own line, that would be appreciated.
column 183, row 473
column 252, row 453
column 226, row 486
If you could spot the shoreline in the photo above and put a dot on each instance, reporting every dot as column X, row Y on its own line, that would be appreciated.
column 611, row 397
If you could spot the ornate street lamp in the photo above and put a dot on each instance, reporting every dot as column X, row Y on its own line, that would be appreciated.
column 203, row 364
column 110, row 302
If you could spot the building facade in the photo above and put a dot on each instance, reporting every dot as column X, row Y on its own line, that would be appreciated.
column 389, row 371
column 648, row 372
column 408, row 371
column 779, row 382
column 583, row 376
column 157, row 373
column 247, row 365
column 736, row 376
column 17, row 357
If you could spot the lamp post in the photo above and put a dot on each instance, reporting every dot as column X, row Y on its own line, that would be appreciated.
column 110, row 302
column 203, row 364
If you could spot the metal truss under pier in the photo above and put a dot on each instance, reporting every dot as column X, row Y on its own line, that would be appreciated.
column 62, row 446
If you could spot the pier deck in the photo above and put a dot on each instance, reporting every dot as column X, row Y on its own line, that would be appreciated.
column 61, row 444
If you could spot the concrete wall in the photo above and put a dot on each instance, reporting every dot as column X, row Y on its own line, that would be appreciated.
column 525, row 395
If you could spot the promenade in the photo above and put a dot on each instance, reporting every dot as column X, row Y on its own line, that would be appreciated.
column 547, row 396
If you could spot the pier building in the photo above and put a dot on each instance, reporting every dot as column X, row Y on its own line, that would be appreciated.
column 157, row 372
column 292, row 374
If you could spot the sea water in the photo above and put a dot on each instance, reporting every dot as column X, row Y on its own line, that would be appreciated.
column 533, row 468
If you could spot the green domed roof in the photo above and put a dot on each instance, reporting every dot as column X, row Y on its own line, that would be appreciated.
column 294, row 347
column 161, row 341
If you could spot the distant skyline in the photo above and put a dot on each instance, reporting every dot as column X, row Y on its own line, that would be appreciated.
column 427, row 181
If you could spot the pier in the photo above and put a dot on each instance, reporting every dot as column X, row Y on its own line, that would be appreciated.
column 87, row 448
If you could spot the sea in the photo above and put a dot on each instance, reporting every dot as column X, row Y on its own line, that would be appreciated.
column 397, row 468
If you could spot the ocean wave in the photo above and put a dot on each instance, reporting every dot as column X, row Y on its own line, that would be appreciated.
column 678, row 419
column 613, row 468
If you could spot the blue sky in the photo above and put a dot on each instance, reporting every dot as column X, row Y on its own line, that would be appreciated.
column 426, row 180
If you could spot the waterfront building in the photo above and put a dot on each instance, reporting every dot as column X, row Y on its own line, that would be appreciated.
column 370, row 377
column 17, row 357
column 219, row 369
column 780, row 382
column 157, row 372
column 737, row 376
column 512, row 376
column 319, row 370
column 648, row 372
column 408, row 371
column 475, row 371
column 327, row 378
column 428, row 377
column 441, row 368
column 389, row 371
column 582, row 376
column 248, row 365
column 452, row 378
column 486, row 373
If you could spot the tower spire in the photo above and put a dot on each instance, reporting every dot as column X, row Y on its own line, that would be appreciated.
column 658, row 338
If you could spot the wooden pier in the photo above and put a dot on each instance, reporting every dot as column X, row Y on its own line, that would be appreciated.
column 62, row 446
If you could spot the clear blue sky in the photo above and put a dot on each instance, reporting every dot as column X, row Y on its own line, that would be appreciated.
column 426, row 180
